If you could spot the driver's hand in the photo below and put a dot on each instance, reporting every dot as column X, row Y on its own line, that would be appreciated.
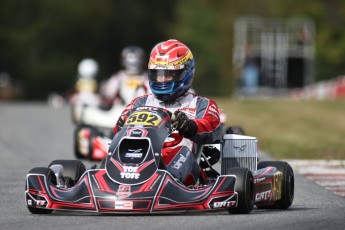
column 186, row 127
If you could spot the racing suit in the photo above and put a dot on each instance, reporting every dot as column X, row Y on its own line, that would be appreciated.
column 179, row 153
column 121, row 88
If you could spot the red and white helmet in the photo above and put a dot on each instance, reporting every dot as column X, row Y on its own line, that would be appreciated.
column 170, row 69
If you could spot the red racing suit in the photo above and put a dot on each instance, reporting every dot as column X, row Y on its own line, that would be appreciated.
column 179, row 152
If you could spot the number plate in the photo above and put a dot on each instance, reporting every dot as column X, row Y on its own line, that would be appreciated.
column 143, row 118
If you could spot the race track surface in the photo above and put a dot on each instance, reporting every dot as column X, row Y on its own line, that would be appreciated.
column 33, row 135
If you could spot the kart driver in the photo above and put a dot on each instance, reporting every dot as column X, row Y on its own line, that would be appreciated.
column 196, row 118
column 128, row 83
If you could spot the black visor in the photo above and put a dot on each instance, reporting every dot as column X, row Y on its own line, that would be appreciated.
column 165, row 75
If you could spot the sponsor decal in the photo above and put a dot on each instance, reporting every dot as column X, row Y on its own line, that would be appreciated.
column 134, row 153
column 147, row 108
column 213, row 108
column 41, row 202
column 162, row 60
column 37, row 202
column 240, row 148
column 190, row 112
column 179, row 162
column 124, row 191
column 263, row 196
column 136, row 133
column 130, row 172
column 180, row 62
column 224, row 204
column 124, row 204
column 258, row 180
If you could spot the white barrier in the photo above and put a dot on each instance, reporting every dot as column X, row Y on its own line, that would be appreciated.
column 331, row 89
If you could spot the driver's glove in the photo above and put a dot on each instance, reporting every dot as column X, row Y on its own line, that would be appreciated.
column 186, row 127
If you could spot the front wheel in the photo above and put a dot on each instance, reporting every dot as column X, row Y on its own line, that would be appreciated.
column 72, row 170
column 288, row 184
column 245, row 188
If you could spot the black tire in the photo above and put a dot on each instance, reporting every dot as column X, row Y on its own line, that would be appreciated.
column 93, row 134
column 288, row 184
column 76, row 148
column 245, row 188
column 51, row 178
column 72, row 170
column 235, row 130
column 39, row 210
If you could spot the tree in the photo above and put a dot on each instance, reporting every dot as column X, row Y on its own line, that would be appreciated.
column 42, row 42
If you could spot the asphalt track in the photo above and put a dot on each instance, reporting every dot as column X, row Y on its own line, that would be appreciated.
column 33, row 135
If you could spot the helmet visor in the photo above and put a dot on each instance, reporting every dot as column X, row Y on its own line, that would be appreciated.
column 165, row 75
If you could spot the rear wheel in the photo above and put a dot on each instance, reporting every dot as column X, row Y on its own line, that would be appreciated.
column 72, row 170
column 235, row 130
column 288, row 184
column 51, row 178
column 83, row 144
column 245, row 188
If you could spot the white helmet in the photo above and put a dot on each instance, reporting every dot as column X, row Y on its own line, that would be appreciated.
column 88, row 68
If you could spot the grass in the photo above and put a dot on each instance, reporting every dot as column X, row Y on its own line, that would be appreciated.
column 291, row 129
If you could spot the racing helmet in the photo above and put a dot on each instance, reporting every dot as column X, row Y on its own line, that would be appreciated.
column 170, row 69
column 132, row 59
column 88, row 68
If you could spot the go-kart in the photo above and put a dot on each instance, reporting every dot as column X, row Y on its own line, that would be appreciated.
column 133, row 178
column 94, row 126
column 94, row 130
